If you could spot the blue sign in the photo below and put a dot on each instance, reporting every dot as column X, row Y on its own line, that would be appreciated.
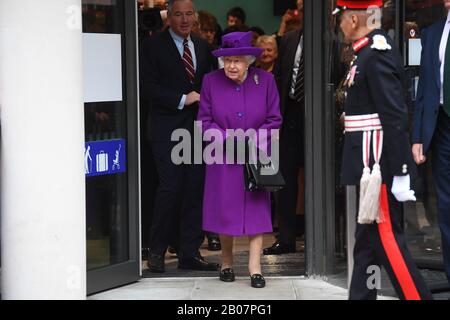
column 104, row 157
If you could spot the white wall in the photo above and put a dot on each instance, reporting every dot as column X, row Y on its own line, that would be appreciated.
column 42, row 173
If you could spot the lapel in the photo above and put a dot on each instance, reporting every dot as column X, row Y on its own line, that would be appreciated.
column 173, row 54
column 199, row 55
column 436, row 46
column 292, row 50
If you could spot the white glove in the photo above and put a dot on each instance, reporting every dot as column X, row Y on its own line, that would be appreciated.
column 401, row 189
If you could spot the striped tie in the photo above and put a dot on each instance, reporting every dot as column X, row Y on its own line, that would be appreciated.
column 299, row 89
column 187, row 60
column 446, row 83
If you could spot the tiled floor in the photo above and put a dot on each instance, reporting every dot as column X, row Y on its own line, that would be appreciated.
column 272, row 266
column 213, row 289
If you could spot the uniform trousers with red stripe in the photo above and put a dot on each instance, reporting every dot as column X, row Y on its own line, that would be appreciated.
column 384, row 245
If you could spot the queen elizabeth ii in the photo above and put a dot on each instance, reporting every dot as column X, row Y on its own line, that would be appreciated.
column 237, row 97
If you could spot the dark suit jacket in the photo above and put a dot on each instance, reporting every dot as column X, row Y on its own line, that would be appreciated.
column 378, row 88
column 429, row 89
column 285, row 64
column 163, row 81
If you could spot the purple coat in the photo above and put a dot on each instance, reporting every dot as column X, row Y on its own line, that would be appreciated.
column 227, row 208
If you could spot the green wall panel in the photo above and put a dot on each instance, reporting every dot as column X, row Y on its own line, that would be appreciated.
column 259, row 12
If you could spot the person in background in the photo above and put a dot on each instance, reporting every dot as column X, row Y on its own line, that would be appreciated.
column 289, row 72
column 270, row 54
column 207, row 24
column 431, row 121
column 237, row 97
column 257, row 32
column 291, row 20
column 236, row 17
column 173, row 64
column 206, row 29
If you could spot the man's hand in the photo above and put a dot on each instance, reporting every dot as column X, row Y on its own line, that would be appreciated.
column 417, row 151
column 192, row 98
column 401, row 189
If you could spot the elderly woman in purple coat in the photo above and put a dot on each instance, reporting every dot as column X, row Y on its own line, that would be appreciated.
column 237, row 97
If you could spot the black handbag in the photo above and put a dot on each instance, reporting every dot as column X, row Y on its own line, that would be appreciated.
column 259, row 176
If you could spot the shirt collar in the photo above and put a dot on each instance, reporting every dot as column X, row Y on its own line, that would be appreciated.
column 176, row 37
column 448, row 17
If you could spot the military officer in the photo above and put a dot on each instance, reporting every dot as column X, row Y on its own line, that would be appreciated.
column 377, row 155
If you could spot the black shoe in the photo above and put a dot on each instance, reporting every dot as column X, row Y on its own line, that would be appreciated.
column 227, row 275
column 279, row 248
column 258, row 281
column 198, row 264
column 156, row 263
column 214, row 244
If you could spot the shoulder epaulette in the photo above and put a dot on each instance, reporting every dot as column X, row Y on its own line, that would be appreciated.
column 380, row 43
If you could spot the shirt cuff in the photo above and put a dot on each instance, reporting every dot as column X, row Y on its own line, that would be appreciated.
column 182, row 102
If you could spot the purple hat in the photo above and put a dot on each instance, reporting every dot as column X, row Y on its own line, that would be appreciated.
column 237, row 44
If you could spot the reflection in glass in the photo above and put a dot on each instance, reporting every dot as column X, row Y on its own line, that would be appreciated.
column 422, row 229
column 107, row 195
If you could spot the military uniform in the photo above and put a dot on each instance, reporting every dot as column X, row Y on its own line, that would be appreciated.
column 376, row 134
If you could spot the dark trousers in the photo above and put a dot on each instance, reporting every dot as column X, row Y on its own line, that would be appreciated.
column 384, row 244
column 291, row 160
column 179, row 196
column 441, row 176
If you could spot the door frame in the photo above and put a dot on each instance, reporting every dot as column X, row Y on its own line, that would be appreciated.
column 319, row 146
column 127, row 272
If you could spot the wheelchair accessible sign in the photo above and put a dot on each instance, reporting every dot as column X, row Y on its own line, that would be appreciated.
column 104, row 157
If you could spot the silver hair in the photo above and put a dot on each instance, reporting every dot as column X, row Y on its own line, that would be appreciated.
column 171, row 2
column 250, row 60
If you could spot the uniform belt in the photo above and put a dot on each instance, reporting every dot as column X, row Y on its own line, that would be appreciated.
column 366, row 122
column 371, row 180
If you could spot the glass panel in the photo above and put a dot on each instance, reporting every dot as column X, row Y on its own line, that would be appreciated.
column 422, row 230
column 106, row 123
column 338, row 56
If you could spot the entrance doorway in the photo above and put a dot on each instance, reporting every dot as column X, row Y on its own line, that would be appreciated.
column 111, row 151
column 283, row 265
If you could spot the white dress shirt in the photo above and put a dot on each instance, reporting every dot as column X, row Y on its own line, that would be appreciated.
column 442, row 49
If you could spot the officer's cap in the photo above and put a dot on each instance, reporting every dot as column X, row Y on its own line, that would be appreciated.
column 343, row 5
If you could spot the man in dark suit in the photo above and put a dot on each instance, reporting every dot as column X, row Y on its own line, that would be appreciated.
column 173, row 64
column 431, row 126
column 289, row 73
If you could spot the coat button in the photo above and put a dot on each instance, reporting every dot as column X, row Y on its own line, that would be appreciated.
column 405, row 169
column 240, row 114
column 238, row 89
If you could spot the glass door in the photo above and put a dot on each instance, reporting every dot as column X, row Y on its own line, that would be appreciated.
column 422, row 229
column 111, row 150
column 403, row 20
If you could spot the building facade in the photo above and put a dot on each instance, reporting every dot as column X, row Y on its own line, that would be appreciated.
column 71, row 145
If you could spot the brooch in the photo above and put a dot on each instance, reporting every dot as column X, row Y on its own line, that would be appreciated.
column 380, row 43
column 256, row 79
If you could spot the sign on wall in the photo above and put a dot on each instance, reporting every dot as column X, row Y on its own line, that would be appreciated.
column 102, row 60
column 104, row 157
